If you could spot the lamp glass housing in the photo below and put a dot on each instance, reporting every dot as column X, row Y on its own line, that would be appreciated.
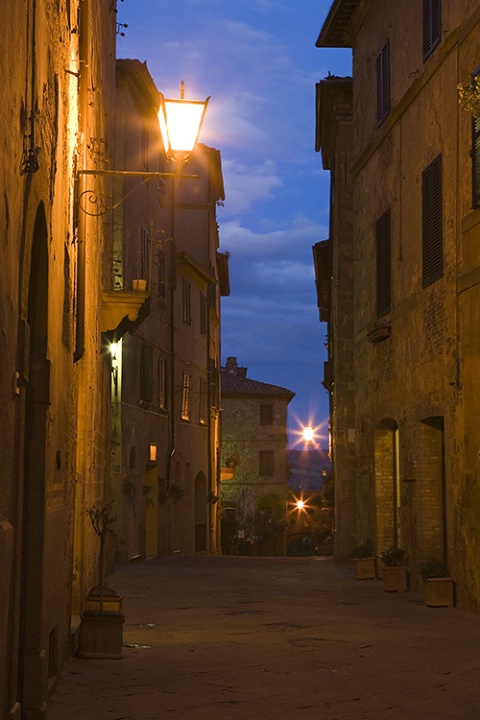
column 180, row 124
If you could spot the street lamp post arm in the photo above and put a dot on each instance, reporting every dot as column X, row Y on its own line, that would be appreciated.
column 96, row 205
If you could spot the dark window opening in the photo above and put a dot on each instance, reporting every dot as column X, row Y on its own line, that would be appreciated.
column 266, row 414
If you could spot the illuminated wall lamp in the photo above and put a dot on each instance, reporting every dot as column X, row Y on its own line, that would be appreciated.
column 180, row 124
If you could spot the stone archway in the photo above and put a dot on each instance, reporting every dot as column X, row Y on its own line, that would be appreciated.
column 37, row 662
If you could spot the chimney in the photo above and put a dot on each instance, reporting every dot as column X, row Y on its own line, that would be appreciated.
column 232, row 365
column 233, row 369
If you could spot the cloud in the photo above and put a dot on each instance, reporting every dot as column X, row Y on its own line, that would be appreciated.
column 285, row 242
column 246, row 185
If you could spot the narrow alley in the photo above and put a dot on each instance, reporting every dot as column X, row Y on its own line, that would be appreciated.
column 266, row 638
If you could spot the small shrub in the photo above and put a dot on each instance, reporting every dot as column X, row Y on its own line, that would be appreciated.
column 362, row 551
column 432, row 568
column 394, row 557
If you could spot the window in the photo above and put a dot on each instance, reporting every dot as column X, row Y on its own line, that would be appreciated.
column 476, row 150
column 187, row 303
column 145, row 245
column 187, row 378
column 266, row 414
column 202, row 412
column 383, row 84
column 432, row 254
column 431, row 26
column 162, row 383
column 383, row 264
column 146, row 373
column 203, row 313
column 162, row 276
column 266, row 463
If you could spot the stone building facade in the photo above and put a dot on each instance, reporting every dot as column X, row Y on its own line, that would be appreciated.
column 333, row 263
column 54, row 118
column 413, row 341
column 165, row 388
column 67, row 295
column 254, row 449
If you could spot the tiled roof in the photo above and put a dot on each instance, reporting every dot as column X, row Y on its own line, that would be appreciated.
column 232, row 384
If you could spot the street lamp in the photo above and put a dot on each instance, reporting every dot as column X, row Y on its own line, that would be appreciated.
column 180, row 125
column 308, row 433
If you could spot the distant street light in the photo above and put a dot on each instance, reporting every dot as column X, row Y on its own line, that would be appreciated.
column 300, row 505
column 308, row 433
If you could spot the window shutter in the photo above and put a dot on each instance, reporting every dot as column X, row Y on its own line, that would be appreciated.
column 432, row 26
column 475, row 162
column 383, row 264
column 383, row 83
column 432, row 250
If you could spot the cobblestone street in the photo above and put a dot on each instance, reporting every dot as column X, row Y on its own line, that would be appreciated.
column 242, row 638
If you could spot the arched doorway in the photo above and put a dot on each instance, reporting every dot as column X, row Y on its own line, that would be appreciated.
column 201, row 516
column 38, row 654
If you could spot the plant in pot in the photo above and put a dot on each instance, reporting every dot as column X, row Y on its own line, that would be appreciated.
column 395, row 569
column 101, row 629
column 365, row 563
column 438, row 586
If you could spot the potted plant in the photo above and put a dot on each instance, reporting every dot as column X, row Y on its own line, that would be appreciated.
column 395, row 569
column 101, row 628
column 365, row 563
column 438, row 586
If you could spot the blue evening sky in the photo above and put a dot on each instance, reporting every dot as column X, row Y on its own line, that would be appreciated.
column 258, row 61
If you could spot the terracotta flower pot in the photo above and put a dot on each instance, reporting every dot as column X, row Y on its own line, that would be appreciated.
column 395, row 579
column 365, row 568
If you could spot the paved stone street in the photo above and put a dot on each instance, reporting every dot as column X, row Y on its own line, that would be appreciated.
column 237, row 638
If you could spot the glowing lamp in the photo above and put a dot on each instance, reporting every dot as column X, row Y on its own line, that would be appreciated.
column 308, row 433
column 180, row 124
